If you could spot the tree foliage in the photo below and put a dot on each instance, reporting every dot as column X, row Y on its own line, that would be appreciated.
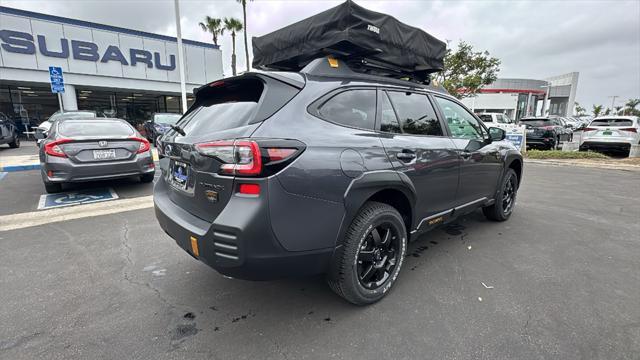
column 212, row 26
column 466, row 71
column 597, row 109
column 631, row 107
column 579, row 109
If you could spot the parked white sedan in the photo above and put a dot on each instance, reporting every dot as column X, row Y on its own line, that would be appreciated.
column 611, row 134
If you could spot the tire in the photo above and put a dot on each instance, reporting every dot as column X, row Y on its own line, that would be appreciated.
column 364, row 256
column 147, row 178
column 16, row 143
column 502, row 209
column 52, row 188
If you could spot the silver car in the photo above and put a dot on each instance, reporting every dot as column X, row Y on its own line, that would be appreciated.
column 93, row 149
column 611, row 134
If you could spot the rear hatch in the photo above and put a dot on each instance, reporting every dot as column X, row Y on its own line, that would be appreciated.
column 537, row 128
column 91, row 141
column 611, row 128
column 223, row 112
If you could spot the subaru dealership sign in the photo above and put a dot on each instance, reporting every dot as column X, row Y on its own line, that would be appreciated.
column 99, row 55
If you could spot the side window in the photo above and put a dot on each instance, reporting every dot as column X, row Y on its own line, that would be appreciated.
column 356, row 108
column 389, row 122
column 415, row 113
column 460, row 122
column 500, row 119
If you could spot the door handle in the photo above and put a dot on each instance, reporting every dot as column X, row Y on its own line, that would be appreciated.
column 465, row 154
column 406, row 155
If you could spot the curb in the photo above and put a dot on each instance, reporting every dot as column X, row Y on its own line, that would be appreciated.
column 603, row 166
column 11, row 168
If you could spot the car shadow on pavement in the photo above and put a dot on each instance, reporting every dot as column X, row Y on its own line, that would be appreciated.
column 217, row 305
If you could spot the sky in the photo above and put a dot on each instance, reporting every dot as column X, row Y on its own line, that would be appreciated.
column 600, row 39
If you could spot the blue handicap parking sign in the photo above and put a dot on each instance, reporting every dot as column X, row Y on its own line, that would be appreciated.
column 515, row 139
column 57, row 79
column 76, row 198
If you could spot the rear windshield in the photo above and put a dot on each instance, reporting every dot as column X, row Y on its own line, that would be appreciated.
column 223, row 107
column 612, row 122
column 73, row 115
column 94, row 128
column 166, row 118
column 486, row 118
column 536, row 122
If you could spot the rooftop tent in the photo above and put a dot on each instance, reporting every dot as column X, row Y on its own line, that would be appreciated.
column 355, row 34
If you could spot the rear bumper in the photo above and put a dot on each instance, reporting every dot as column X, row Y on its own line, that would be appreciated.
column 541, row 142
column 58, row 170
column 240, row 242
column 600, row 145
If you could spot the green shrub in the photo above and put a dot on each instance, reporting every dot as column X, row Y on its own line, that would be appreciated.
column 557, row 154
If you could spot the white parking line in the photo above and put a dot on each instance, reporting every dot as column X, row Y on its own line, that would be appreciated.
column 36, row 218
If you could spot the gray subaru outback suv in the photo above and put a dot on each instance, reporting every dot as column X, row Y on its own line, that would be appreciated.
column 326, row 171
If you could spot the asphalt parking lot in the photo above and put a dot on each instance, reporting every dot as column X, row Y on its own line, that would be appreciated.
column 560, row 280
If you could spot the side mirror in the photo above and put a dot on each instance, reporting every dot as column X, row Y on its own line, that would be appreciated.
column 40, row 135
column 497, row 134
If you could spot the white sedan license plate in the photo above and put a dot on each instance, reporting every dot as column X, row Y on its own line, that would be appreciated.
column 104, row 154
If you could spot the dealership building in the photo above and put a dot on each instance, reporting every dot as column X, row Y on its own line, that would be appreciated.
column 518, row 98
column 115, row 71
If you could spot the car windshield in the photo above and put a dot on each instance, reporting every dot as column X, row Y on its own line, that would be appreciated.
column 72, row 115
column 94, row 128
column 536, row 122
column 612, row 122
column 169, row 119
column 485, row 118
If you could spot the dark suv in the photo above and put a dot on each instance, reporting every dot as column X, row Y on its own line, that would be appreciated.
column 280, row 174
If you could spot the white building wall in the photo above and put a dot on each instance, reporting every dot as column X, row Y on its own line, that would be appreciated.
column 503, row 101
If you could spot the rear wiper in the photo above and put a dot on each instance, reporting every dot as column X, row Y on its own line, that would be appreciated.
column 178, row 129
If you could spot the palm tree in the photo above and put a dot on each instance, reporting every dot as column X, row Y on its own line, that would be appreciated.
column 618, row 108
column 597, row 109
column 631, row 106
column 233, row 25
column 579, row 109
column 244, row 14
column 213, row 26
column 607, row 112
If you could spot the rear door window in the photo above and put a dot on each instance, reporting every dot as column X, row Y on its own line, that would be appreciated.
column 388, row 122
column 416, row 114
column 73, row 128
column 353, row 108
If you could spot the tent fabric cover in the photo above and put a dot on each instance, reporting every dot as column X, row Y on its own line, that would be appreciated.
column 352, row 30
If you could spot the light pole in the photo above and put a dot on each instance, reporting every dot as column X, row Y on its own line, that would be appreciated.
column 613, row 101
column 546, row 97
column 183, row 87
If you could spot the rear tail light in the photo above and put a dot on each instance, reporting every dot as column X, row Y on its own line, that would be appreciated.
column 53, row 148
column 144, row 145
column 630, row 129
column 249, row 157
column 589, row 129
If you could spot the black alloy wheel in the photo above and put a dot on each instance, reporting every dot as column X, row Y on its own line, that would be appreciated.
column 378, row 256
column 367, row 264
column 509, row 194
column 505, row 199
